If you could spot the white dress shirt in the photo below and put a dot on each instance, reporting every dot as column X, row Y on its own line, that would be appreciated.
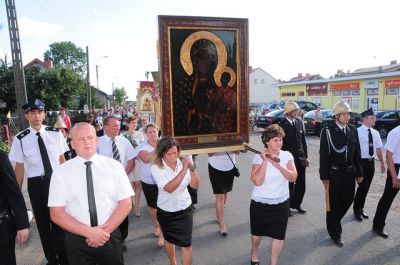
column 177, row 200
column 145, row 173
column 68, row 187
column 275, row 188
column 363, row 138
column 221, row 161
column 393, row 144
column 27, row 149
column 125, row 148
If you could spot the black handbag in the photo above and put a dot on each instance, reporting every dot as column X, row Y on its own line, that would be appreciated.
column 236, row 172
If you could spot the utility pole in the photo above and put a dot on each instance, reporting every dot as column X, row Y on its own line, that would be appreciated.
column 18, row 68
column 88, row 90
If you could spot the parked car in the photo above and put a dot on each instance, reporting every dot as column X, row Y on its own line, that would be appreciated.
column 265, row 108
column 386, row 120
column 314, row 127
column 304, row 105
column 270, row 118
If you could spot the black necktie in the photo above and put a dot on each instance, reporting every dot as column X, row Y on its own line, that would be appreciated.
column 90, row 193
column 344, row 131
column 115, row 151
column 45, row 157
column 370, row 143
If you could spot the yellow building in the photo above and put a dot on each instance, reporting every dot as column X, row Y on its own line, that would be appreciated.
column 379, row 91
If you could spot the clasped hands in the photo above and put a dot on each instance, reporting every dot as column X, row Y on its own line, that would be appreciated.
column 97, row 236
column 265, row 156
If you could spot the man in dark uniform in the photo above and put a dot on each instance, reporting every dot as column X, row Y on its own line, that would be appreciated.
column 340, row 166
column 36, row 151
column 295, row 142
column 14, row 223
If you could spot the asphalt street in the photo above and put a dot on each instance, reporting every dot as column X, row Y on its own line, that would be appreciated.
column 307, row 241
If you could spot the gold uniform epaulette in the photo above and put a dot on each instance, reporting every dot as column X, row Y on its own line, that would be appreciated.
column 51, row 129
column 23, row 134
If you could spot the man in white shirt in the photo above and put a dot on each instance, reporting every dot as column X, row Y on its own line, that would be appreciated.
column 370, row 143
column 36, row 151
column 392, row 185
column 89, row 197
column 119, row 148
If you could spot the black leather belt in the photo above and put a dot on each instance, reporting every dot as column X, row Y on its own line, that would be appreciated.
column 368, row 159
column 337, row 167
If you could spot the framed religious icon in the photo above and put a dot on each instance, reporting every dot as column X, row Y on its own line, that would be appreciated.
column 204, row 81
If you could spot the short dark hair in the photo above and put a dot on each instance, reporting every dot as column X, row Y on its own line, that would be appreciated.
column 150, row 125
column 272, row 131
column 108, row 118
column 130, row 119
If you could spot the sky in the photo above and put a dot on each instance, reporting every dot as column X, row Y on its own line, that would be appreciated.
column 286, row 37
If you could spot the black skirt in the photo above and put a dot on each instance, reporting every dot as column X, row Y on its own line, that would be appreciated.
column 177, row 226
column 269, row 219
column 221, row 181
column 151, row 194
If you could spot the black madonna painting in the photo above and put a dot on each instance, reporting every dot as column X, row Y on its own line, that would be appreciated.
column 204, row 70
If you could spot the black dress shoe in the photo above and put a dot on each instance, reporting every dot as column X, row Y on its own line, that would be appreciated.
column 380, row 232
column 364, row 215
column 301, row 210
column 338, row 242
column 254, row 262
column 358, row 216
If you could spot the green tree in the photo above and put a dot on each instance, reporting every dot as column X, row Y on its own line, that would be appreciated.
column 7, row 91
column 66, row 54
column 120, row 95
column 340, row 73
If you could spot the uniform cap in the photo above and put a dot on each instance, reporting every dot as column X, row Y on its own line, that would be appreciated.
column 33, row 105
column 368, row 112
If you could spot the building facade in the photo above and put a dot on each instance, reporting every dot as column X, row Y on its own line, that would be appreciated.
column 379, row 91
column 261, row 87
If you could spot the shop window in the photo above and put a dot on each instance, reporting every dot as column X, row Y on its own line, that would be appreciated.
column 301, row 93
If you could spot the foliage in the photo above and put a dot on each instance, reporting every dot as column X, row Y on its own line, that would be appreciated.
column 4, row 147
column 66, row 54
column 340, row 73
column 7, row 92
column 120, row 95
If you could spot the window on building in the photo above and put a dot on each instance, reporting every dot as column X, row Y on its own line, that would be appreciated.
column 255, row 81
column 301, row 93
column 262, row 81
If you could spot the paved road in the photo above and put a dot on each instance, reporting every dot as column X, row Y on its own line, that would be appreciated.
column 307, row 241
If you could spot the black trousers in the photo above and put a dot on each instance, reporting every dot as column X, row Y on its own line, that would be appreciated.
column 386, row 201
column 298, row 189
column 80, row 253
column 51, row 236
column 7, row 241
column 124, row 228
column 341, row 195
column 363, row 187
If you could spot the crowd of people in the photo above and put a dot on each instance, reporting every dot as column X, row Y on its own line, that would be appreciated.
column 85, row 179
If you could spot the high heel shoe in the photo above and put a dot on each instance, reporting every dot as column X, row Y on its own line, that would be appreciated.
column 254, row 262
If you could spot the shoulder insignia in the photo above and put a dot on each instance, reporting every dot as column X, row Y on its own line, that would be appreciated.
column 51, row 129
column 23, row 134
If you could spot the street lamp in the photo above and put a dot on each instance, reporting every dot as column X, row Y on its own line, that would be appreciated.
column 97, row 69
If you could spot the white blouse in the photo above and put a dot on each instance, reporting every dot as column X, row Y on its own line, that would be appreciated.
column 275, row 188
column 221, row 161
column 177, row 200
column 145, row 174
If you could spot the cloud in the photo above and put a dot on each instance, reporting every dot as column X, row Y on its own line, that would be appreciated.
column 33, row 28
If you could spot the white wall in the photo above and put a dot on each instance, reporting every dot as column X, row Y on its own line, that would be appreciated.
column 261, row 89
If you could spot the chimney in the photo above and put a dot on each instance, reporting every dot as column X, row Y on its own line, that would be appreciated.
column 393, row 62
column 48, row 63
column 299, row 75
